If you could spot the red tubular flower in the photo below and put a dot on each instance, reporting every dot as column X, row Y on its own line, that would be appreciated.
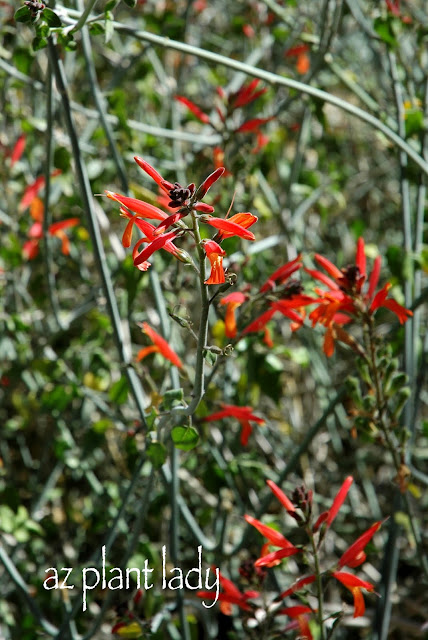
column 354, row 555
column 299, row 584
column 243, row 414
column 253, row 125
column 300, row 613
column 339, row 499
column 228, row 226
column 209, row 181
column 280, row 495
column 215, row 255
column 34, row 189
column 282, row 274
column 160, row 345
column 244, row 220
column 354, row 585
column 17, row 150
column 143, row 209
column 230, row 595
column 200, row 115
column 233, row 301
column 145, row 166
column 158, row 243
column 246, row 94
column 303, row 62
column 345, row 299
column 275, row 538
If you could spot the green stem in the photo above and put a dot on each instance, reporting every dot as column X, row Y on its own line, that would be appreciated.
column 81, row 21
column 199, row 383
column 319, row 586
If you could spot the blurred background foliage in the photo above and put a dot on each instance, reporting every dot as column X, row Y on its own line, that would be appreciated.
column 74, row 468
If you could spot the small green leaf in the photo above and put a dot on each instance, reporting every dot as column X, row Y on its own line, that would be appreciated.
column 119, row 391
column 96, row 28
column 131, row 3
column 171, row 397
column 103, row 425
column 111, row 4
column 23, row 14
column 39, row 43
column 210, row 357
column 51, row 18
column 108, row 23
column 384, row 30
column 185, row 438
column 156, row 452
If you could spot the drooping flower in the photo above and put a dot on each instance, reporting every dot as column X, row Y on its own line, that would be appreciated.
column 159, row 242
column 33, row 190
column 229, row 595
column 232, row 302
column 197, row 112
column 244, row 415
column 160, row 345
column 275, row 539
column 215, row 255
column 300, row 613
column 354, row 584
column 18, row 149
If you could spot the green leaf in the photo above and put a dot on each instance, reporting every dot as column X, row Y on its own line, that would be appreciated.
column 414, row 122
column 131, row 3
column 108, row 23
column 103, row 425
column 62, row 159
column 23, row 14
column 156, row 452
column 39, row 43
column 96, row 29
column 171, row 397
column 51, row 18
column 384, row 30
column 185, row 438
column 119, row 391
column 112, row 4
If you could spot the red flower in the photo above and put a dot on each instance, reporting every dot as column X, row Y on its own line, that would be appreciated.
column 142, row 209
column 233, row 301
column 215, row 255
column 140, row 259
column 303, row 62
column 329, row 516
column 160, row 345
column 354, row 585
column 300, row 613
column 230, row 595
column 279, row 276
column 345, row 298
column 355, row 555
column 18, row 150
column 200, row 115
column 243, row 414
column 30, row 248
column 34, row 189
column 244, row 220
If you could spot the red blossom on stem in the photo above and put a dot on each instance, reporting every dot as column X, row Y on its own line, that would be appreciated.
column 354, row 585
column 232, row 302
column 215, row 255
column 160, row 345
column 345, row 298
column 244, row 415
column 230, row 595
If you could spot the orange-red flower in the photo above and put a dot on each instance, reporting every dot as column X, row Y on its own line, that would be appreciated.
column 346, row 299
column 229, row 227
column 230, row 595
column 329, row 516
column 243, row 414
column 160, row 345
column 233, row 301
column 354, row 585
column 300, row 52
column 300, row 613
column 355, row 555
column 215, row 255
column 30, row 248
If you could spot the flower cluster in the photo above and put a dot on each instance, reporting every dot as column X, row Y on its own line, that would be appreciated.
column 224, row 116
column 300, row 507
column 184, row 201
column 350, row 295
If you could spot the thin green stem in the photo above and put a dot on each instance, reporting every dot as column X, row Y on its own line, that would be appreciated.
column 84, row 16
column 319, row 586
column 277, row 80
column 199, row 382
